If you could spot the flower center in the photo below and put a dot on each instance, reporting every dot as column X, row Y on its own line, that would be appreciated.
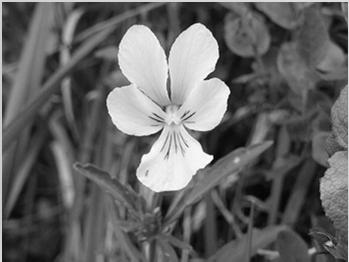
column 172, row 117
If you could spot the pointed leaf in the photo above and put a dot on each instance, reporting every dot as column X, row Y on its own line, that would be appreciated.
column 123, row 194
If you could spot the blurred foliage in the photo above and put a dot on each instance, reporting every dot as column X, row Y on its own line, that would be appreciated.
column 285, row 64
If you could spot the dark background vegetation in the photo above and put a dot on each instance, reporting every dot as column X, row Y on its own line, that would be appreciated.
column 278, row 93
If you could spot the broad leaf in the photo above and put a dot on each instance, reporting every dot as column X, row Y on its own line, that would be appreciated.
column 286, row 15
column 293, row 68
column 292, row 247
column 313, row 39
column 246, row 36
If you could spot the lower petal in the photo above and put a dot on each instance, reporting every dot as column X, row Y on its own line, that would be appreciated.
column 169, row 165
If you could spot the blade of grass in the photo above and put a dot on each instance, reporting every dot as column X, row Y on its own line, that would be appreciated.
column 210, row 227
column 296, row 200
column 24, row 170
column 26, row 83
column 67, row 38
column 12, row 130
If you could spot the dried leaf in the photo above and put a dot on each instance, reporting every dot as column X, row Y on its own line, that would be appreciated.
column 334, row 194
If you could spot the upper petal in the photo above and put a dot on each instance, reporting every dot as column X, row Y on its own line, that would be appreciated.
column 205, row 107
column 193, row 56
column 172, row 161
column 143, row 61
column 134, row 113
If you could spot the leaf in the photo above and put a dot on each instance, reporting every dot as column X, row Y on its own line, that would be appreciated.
column 294, row 69
column 333, row 61
column 339, row 116
column 230, row 164
column 234, row 251
column 124, row 195
column 292, row 247
column 345, row 10
column 31, row 64
column 246, row 36
column 238, row 8
column 334, row 194
column 319, row 151
column 286, row 15
column 313, row 40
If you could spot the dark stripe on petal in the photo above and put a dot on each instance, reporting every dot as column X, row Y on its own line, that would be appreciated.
column 189, row 116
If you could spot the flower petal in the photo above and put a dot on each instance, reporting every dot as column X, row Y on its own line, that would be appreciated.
column 172, row 161
column 205, row 107
column 134, row 113
column 143, row 61
column 192, row 57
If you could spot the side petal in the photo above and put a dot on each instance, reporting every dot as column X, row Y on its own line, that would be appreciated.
column 205, row 107
column 143, row 61
column 193, row 56
column 134, row 113
column 172, row 161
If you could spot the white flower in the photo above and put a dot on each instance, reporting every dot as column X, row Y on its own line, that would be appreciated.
column 146, row 106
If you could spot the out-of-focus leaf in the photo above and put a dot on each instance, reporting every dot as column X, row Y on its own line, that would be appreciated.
column 29, row 75
column 313, row 39
column 334, row 59
column 234, row 251
column 230, row 164
column 319, row 152
column 292, row 247
column 124, row 195
column 345, row 10
column 294, row 69
column 246, row 36
column 286, row 15
column 238, row 8
column 108, row 53
column 334, row 195
column 168, row 252
column 339, row 116
column 176, row 242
